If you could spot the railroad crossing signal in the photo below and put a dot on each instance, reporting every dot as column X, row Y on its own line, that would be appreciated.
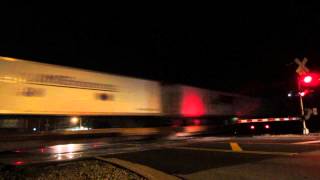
column 309, row 80
column 302, row 69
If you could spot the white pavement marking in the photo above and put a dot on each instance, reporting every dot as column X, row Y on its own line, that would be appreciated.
column 307, row 142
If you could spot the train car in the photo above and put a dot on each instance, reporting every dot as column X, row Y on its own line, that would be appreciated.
column 200, row 110
column 36, row 88
column 37, row 95
column 187, row 101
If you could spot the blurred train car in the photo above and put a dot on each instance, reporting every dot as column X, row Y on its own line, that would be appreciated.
column 201, row 110
column 37, row 88
column 186, row 101
column 45, row 95
column 37, row 96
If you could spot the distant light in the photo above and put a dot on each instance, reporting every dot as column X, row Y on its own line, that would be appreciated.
column 289, row 94
column 235, row 119
column 74, row 120
column 302, row 94
column 252, row 127
column 34, row 129
column 267, row 126
column 17, row 163
column 307, row 79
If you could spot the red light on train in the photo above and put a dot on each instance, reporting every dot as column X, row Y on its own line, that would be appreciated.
column 192, row 104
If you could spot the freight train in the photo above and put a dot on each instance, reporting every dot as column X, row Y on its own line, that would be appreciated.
column 43, row 97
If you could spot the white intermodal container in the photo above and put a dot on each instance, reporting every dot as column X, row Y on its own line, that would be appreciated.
column 28, row 87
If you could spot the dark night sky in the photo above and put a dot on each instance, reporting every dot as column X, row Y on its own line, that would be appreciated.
column 247, row 48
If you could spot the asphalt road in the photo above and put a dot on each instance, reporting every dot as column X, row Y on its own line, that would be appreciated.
column 263, row 157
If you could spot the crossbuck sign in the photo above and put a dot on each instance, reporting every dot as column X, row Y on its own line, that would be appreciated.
column 302, row 69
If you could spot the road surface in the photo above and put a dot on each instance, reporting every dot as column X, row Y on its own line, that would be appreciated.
column 261, row 157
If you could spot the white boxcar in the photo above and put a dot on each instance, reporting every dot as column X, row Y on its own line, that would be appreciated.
column 36, row 88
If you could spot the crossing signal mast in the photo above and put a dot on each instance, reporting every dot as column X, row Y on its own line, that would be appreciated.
column 306, row 81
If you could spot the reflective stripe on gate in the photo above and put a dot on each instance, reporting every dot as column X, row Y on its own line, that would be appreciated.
column 267, row 120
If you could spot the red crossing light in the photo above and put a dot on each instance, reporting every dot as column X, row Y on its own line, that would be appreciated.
column 310, row 79
column 307, row 79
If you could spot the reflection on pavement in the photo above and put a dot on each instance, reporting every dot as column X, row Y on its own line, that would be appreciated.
column 63, row 152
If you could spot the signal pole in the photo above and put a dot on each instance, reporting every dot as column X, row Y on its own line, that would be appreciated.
column 305, row 129
column 302, row 69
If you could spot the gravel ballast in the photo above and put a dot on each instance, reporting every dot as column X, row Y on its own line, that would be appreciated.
column 83, row 169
